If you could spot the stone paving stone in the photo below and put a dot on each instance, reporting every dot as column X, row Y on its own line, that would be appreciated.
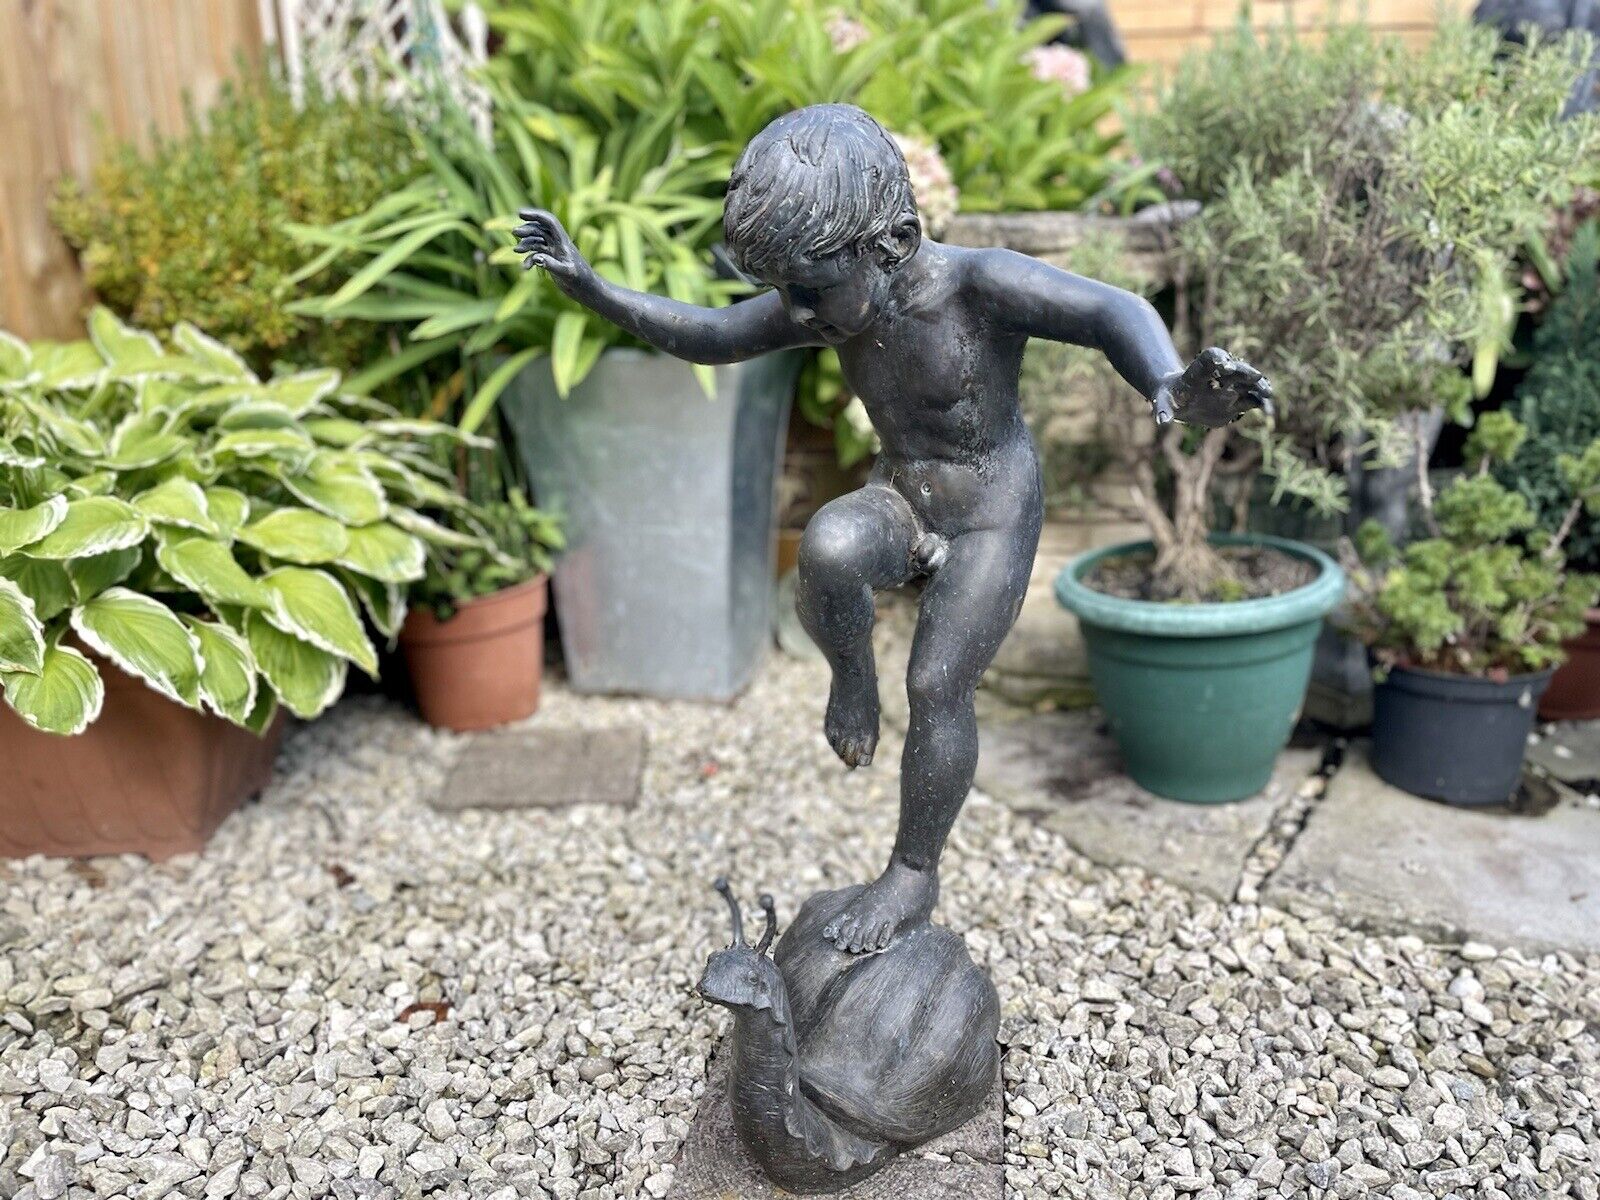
column 1060, row 768
column 546, row 768
column 1381, row 858
column 965, row 1164
column 1571, row 752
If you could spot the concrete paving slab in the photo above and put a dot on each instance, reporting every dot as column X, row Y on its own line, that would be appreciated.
column 1060, row 768
column 1381, row 858
column 1570, row 751
column 546, row 768
column 966, row 1164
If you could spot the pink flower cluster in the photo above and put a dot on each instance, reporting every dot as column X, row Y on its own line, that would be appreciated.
column 932, row 185
column 844, row 31
column 1059, row 64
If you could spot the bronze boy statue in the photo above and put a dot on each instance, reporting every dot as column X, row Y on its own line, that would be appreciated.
column 931, row 338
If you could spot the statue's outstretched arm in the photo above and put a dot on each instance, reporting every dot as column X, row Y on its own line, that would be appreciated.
column 1034, row 299
column 688, row 331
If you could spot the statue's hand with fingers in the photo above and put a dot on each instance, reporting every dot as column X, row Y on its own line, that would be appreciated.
column 1212, row 391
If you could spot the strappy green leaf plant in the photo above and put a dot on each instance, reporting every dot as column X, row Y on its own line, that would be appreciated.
column 227, row 539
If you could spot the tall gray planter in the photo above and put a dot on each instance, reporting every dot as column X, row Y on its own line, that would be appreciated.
column 665, row 588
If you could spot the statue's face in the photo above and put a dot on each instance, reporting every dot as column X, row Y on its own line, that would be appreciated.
column 837, row 298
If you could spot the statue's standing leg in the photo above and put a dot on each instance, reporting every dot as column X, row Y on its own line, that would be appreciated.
column 967, row 609
column 852, row 546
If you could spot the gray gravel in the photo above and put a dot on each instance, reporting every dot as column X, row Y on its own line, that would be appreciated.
column 349, row 994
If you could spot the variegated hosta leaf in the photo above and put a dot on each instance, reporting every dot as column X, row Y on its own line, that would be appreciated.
column 291, row 444
column 227, row 671
column 263, row 713
column 10, row 456
column 179, row 502
column 430, row 530
column 257, row 413
column 229, row 508
column 80, row 437
column 125, row 350
column 209, row 570
column 64, row 697
column 143, row 440
column 46, row 583
column 92, row 526
column 307, row 679
column 384, row 552
column 384, row 603
column 16, row 360
column 70, row 365
column 145, row 638
column 412, row 427
column 341, row 488
column 93, row 575
column 222, row 361
column 300, row 392
column 21, row 631
column 96, row 483
column 337, row 431
column 22, row 526
column 297, row 535
column 312, row 606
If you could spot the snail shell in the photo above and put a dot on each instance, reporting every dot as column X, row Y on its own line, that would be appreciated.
column 898, row 1045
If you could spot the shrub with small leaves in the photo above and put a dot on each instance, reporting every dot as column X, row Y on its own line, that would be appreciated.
column 193, row 229
column 215, row 534
column 1488, row 593
column 498, row 544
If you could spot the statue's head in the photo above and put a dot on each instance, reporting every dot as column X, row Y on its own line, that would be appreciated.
column 820, row 207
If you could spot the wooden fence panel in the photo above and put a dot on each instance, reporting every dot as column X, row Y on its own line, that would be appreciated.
column 74, row 73
column 1162, row 31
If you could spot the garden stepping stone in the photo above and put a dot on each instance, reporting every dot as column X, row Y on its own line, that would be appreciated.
column 1380, row 858
column 1064, row 770
column 966, row 1164
column 546, row 768
column 1570, row 751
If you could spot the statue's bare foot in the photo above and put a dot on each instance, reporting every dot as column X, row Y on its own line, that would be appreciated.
column 899, row 897
column 851, row 725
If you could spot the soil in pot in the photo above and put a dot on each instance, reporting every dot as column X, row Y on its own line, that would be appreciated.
column 1574, row 692
column 1261, row 571
column 1203, row 697
column 148, row 777
column 1457, row 738
column 484, row 665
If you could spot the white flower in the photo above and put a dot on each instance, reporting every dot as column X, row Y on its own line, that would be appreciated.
column 932, row 186
column 844, row 31
column 1059, row 64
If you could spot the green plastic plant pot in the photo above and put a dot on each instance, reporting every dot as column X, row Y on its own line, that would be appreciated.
column 1201, row 697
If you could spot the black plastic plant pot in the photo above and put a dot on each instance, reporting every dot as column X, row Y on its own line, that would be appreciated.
column 1456, row 738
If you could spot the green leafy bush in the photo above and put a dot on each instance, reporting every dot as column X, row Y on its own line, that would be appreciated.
column 1487, row 592
column 215, row 534
column 438, row 252
column 1559, row 400
column 498, row 544
column 193, row 229
column 966, row 76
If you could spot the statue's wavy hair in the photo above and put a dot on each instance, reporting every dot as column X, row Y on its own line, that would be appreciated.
column 815, row 182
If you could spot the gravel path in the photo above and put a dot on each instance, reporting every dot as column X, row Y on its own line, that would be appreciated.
column 351, row 995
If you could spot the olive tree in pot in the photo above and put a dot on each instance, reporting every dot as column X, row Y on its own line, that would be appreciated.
column 1466, row 625
column 1358, row 243
column 474, row 638
column 184, row 548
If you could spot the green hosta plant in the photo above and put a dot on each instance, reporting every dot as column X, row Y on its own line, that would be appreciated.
column 1488, row 593
column 215, row 534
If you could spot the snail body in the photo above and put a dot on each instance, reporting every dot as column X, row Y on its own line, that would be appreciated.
column 842, row 1061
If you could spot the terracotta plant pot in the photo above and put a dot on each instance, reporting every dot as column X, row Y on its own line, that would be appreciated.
column 149, row 777
column 1574, row 693
column 483, row 666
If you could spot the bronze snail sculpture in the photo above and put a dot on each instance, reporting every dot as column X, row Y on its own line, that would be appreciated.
column 842, row 1061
